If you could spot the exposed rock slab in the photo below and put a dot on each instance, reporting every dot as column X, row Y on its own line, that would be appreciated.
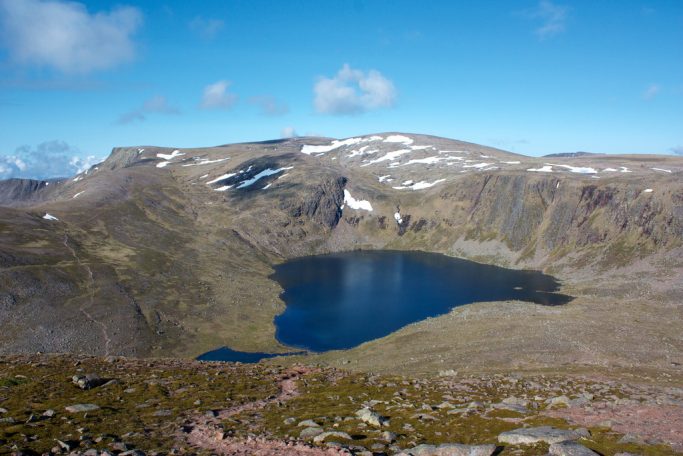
column 545, row 434
column 451, row 449
column 570, row 449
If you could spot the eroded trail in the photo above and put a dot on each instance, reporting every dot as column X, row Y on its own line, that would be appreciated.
column 206, row 432
column 91, row 294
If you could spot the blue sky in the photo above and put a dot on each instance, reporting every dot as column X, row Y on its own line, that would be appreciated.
column 534, row 77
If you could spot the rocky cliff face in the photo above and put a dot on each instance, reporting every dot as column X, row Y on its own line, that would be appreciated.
column 538, row 219
column 18, row 192
column 322, row 203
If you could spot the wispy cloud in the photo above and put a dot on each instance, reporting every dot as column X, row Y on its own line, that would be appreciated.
column 217, row 96
column 551, row 16
column 206, row 28
column 288, row 132
column 269, row 105
column 353, row 91
column 651, row 92
column 155, row 105
column 46, row 160
column 678, row 150
column 66, row 36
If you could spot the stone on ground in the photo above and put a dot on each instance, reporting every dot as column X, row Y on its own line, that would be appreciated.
column 451, row 449
column 76, row 408
column 570, row 449
column 310, row 432
column 545, row 434
column 372, row 418
column 340, row 435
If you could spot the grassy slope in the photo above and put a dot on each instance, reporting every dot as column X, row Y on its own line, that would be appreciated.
column 149, row 401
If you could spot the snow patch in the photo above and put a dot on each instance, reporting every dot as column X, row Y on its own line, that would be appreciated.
column 426, row 160
column 515, row 162
column 356, row 204
column 264, row 173
column 578, row 169
column 336, row 144
column 222, row 189
column 418, row 185
column 389, row 156
column 78, row 194
column 77, row 178
column 204, row 176
column 383, row 178
column 162, row 164
column 267, row 186
column 219, row 178
column 49, row 217
column 398, row 139
column 647, row 190
column 362, row 151
column 623, row 169
column 542, row 169
column 421, row 147
column 609, row 170
column 171, row 156
column 662, row 170
column 397, row 217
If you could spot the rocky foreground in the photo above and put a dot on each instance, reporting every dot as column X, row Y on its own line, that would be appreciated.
column 63, row 404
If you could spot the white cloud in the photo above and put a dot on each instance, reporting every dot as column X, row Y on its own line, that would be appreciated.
column 353, row 91
column 552, row 16
column 288, row 132
column 651, row 91
column 206, row 28
column 46, row 160
column 157, row 105
column 269, row 105
column 65, row 36
column 216, row 96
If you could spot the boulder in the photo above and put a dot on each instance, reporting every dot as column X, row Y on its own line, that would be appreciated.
column 512, row 400
column 308, row 423
column 88, row 381
column 310, row 432
column 545, row 434
column 559, row 400
column 451, row 449
column 76, row 408
column 322, row 436
column 570, row 449
column 388, row 436
column 372, row 418
column 511, row 407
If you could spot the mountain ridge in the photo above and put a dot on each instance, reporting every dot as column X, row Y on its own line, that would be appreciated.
column 173, row 237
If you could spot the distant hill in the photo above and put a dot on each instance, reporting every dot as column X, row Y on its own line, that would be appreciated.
column 572, row 154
